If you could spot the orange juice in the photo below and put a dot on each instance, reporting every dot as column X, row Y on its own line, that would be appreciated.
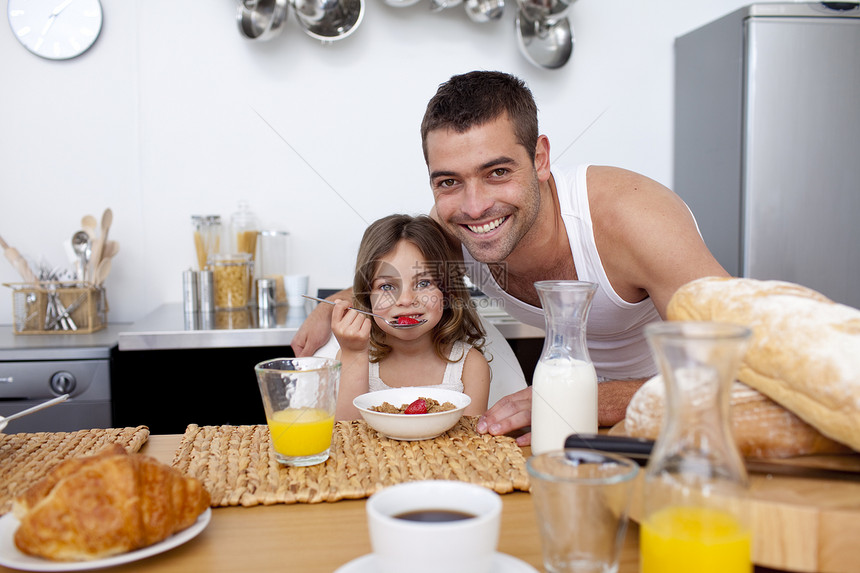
column 301, row 431
column 686, row 539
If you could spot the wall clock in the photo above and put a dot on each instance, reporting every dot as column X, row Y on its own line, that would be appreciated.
column 56, row 29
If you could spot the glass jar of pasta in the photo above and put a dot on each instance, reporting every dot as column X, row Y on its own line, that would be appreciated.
column 231, row 274
column 244, row 226
column 207, row 237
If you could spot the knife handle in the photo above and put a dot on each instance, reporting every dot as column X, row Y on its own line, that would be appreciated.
column 637, row 448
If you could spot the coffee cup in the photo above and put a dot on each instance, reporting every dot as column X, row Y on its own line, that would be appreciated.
column 434, row 525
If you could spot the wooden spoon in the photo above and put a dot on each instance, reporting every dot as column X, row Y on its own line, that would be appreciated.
column 89, row 224
column 110, row 250
column 107, row 220
column 102, row 272
column 99, row 244
column 18, row 262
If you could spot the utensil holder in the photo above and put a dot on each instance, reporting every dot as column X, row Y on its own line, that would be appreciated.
column 58, row 308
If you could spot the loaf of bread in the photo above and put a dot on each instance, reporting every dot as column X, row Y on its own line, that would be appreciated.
column 804, row 352
column 761, row 427
column 109, row 503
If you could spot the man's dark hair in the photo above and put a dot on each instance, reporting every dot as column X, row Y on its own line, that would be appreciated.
column 476, row 98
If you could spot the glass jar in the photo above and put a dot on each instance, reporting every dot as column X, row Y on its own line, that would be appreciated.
column 564, row 386
column 231, row 275
column 244, row 226
column 207, row 237
column 694, row 515
column 271, row 261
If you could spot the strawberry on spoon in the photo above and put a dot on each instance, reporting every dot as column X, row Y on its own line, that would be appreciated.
column 407, row 321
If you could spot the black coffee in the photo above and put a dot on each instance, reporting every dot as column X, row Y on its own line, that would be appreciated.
column 434, row 515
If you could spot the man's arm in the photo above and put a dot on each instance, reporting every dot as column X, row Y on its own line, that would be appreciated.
column 316, row 328
column 646, row 236
column 612, row 399
column 650, row 245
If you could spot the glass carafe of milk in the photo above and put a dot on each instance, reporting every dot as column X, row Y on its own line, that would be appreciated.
column 564, row 386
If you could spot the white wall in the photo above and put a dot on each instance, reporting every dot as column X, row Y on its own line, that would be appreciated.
column 173, row 113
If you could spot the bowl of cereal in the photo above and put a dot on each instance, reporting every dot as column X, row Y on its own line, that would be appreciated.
column 412, row 413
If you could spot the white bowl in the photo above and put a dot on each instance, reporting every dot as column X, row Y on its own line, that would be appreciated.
column 411, row 426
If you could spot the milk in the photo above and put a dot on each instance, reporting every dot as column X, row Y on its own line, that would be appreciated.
column 564, row 401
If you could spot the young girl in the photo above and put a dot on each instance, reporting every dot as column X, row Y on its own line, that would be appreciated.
column 408, row 270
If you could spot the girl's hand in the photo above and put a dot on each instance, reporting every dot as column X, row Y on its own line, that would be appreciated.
column 350, row 327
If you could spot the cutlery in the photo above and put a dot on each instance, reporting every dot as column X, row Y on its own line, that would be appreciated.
column 99, row 244
column 110, row 250
column 102, row 272
column 89, row 224
column 63, row 315
column 81, row 246
column 390, row 322
column 639, row 450
column 36, row 408
column 18, row 262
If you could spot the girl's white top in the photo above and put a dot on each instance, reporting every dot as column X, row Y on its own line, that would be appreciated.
column 452, row 380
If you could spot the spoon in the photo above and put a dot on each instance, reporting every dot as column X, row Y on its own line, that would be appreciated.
column 102, row 272
column 110, row 250
column 99, row 244
column 89, row 224
column 389, row 322
column 81, row 245
column 36, row 408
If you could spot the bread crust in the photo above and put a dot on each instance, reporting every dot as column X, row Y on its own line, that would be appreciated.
column 804, row 352
column 761, row 427
column 109, row 503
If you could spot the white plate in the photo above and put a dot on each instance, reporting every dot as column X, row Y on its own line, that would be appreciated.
column 501, row 564
column 11, row 557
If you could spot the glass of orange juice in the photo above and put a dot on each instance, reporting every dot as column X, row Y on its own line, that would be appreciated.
column 299, row 397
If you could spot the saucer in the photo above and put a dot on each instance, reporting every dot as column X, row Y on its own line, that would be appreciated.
column 502, row 563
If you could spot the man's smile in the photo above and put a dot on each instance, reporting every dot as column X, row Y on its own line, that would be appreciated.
column 486, row 227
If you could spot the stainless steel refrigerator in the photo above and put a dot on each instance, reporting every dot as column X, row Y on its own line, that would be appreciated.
column 767, row 142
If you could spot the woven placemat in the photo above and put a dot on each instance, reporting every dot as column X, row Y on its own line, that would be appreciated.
column 27, row 458
column 237, row 463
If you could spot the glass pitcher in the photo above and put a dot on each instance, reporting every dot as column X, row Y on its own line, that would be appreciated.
column 694, row 515
column 564, row 387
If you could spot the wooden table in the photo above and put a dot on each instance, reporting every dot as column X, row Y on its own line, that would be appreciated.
column 320, row 537
column 311, row 538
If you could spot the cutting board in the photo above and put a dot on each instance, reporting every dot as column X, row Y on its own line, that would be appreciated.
column 800, row 524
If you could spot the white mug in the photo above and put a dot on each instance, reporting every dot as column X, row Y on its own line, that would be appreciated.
column 465, row 544
column 296, row 286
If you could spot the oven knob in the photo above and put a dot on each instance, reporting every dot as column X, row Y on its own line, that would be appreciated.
column 63, row 382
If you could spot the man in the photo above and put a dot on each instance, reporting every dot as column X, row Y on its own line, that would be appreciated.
column 521, row 222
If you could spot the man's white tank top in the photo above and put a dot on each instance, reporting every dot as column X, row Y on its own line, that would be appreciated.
column 615, row 329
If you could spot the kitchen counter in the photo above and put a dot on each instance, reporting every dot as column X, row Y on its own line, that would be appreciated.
column 169, row 328
column 60, row 346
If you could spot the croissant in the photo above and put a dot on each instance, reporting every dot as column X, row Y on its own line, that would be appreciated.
column 109, row 503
